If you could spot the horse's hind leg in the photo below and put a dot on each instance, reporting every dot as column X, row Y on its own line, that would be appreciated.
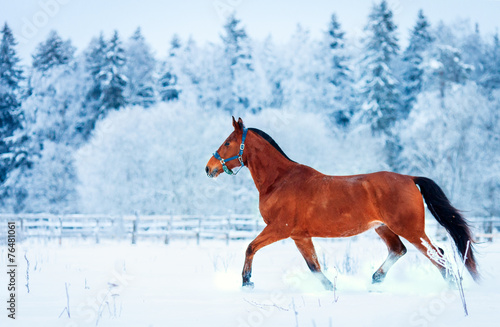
column 417, row 237
column 306, row 248
column 419, row 244
column 396, row 250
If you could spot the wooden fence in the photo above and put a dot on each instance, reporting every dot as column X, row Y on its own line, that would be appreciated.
column 135, row 227
column 168, row 227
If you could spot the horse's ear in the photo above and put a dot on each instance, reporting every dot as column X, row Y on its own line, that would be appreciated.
column 240, row 122
column 235, row 124
column 238, row 125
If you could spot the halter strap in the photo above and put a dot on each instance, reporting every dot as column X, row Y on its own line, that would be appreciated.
column 239, row 156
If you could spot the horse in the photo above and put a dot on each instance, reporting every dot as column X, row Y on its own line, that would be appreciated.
column 298, row 202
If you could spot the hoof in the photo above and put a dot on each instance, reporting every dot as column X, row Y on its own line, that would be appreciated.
column 248, row 285
column 378, row 278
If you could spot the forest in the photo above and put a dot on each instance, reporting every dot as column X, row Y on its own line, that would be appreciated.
column 116, row 129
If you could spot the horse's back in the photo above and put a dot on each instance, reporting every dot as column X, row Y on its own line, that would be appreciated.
column 333, row 206
column 385, row 195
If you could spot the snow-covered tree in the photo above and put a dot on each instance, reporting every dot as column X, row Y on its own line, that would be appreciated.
column 53, row 52
column 92, row 107
column 274, row 72
column 491, row 79
column 139, row 70
column 112, row 75
column 473, row 50
column 10, row 89
column 488, row 187
column 148, row 161
column 316, row 77
column 242, row 80
column 413, row 62
column 339, row 73
column 106, row 82
column 48, row 185
column 447, row 65
column 52, row 111
column 168, row 81
column 380, row 87
column 56, row 92
column 450, row 68
column 304, row 78
column 456, row 142
column 194, row 76
column 50, row 119
column 379, row 84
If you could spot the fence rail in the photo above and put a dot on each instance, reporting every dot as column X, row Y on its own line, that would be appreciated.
column 168, row 227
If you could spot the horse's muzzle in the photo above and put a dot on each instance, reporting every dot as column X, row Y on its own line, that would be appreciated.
column 212, row 173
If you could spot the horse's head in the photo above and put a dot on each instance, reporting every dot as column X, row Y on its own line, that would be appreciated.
column 230, row 154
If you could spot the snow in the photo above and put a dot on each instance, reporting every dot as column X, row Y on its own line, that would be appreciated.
column 183, row 284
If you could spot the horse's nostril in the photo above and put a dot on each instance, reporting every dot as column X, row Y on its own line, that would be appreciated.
column 207, row 169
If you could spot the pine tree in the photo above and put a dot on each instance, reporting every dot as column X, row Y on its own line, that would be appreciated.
column 448, row 67
column 491, row 80
column 95, row 56
column 413, row 61
column 140, row 67
column 92, row 108
column 10, row 120
column 243, row 83
column 190, row 67
column 382, row 107
column 104, row 65
column 168, row 82
column 473, row 50
column 50, row 113
column 339, row 73
column 275, row 73
column 112, row 78
column 53, row 52
column 380, row 86
column 305, row 78
column 335, row 41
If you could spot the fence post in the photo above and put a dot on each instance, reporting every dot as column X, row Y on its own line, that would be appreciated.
column 169, row 225
column 198, row 232
column 228, row 230
column 489, row 229
column 97, row 231
column 134, row 228
column 60, row 230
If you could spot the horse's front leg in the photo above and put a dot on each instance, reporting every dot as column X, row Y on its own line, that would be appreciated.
column 268, row 236
column 306, row 248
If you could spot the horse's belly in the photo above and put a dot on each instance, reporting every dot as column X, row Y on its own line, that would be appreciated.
column 338, row 220
column 340, row 227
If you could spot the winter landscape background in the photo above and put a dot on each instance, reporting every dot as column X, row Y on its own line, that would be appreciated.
column 118, row 127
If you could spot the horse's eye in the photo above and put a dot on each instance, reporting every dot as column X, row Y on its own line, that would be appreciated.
column 226, row 144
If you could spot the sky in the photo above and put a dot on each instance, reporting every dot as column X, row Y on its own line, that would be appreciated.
column 31, row 20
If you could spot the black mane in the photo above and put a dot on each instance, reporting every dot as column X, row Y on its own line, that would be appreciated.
column 269, row 139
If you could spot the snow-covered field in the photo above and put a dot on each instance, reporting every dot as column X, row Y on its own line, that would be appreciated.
column 184, row 284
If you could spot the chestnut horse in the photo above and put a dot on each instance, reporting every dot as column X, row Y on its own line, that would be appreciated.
column 299, row 202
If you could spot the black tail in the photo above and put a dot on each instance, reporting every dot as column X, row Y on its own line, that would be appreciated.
column 451, row 219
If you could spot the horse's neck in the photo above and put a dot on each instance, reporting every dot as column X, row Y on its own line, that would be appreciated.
column 266, row 164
